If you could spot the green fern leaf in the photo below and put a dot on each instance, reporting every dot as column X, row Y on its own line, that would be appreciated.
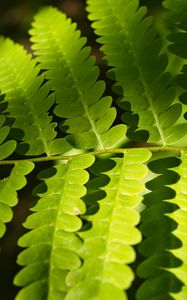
column 165, row 27
column 7, row 194
column 178, row 40
column 101, row 228
column 72, row 74
column 177, row 12
column 8, row 191
column 6, row 147
column 132, row 48
column 180, row 217
column 28, row 101
column 108, row 244
column 52, row 243
column 158, row 226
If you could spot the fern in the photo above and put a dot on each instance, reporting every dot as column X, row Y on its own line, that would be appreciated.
column 6, row 149
column 103, row 274
column 72, row 74
column 28, row 101
column 52, row 242
column 178, row 42
column 158, row 229
column 179, row 216
column 8, row 191
column 138, row 68
column 177, row 12
column 107, row 222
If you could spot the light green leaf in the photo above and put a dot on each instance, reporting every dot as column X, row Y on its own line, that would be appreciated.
column 52, row 244
column 134, row 51
column 107, row 247
column 29, row 101
column 88, row 117
column 8, row 191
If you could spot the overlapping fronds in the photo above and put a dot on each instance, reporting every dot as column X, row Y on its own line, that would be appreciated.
column 28, row 101
column 132, row 48
column 108, row 223
column 164, row 26
column 160, row 263
column 52, row 243
column 180, row 217
column 8, row 191
column 177, row 12
column 108, row 244
column 7, row 147
column 72, row 73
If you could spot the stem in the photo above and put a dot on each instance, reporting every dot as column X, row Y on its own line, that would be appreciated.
column 98, row 152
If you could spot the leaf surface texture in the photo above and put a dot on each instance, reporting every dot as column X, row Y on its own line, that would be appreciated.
column 133, row 50
column 73, row 75
column 105, row 273
column 52, row 244
column 29, row 100
column 8, row 191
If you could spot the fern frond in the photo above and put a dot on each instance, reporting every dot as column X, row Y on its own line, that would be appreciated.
column 132, row 48
column 180, row 217
column 73, row 75
column 160, row 264
column 52, row 243
column 107, row 247
column 8, row 186
column 8, row 191
column 178, row 42
column 7, row 147
column 164, row 26
column 177, row 12
column 29, row 100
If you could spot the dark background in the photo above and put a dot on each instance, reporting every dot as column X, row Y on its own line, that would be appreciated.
column 15, row 19
column 16, row 16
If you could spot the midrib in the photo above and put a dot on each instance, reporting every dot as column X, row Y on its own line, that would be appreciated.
column 56, row 228
column 126, row 34
column 116, row 204
column 29, row 103
column 79, row 91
